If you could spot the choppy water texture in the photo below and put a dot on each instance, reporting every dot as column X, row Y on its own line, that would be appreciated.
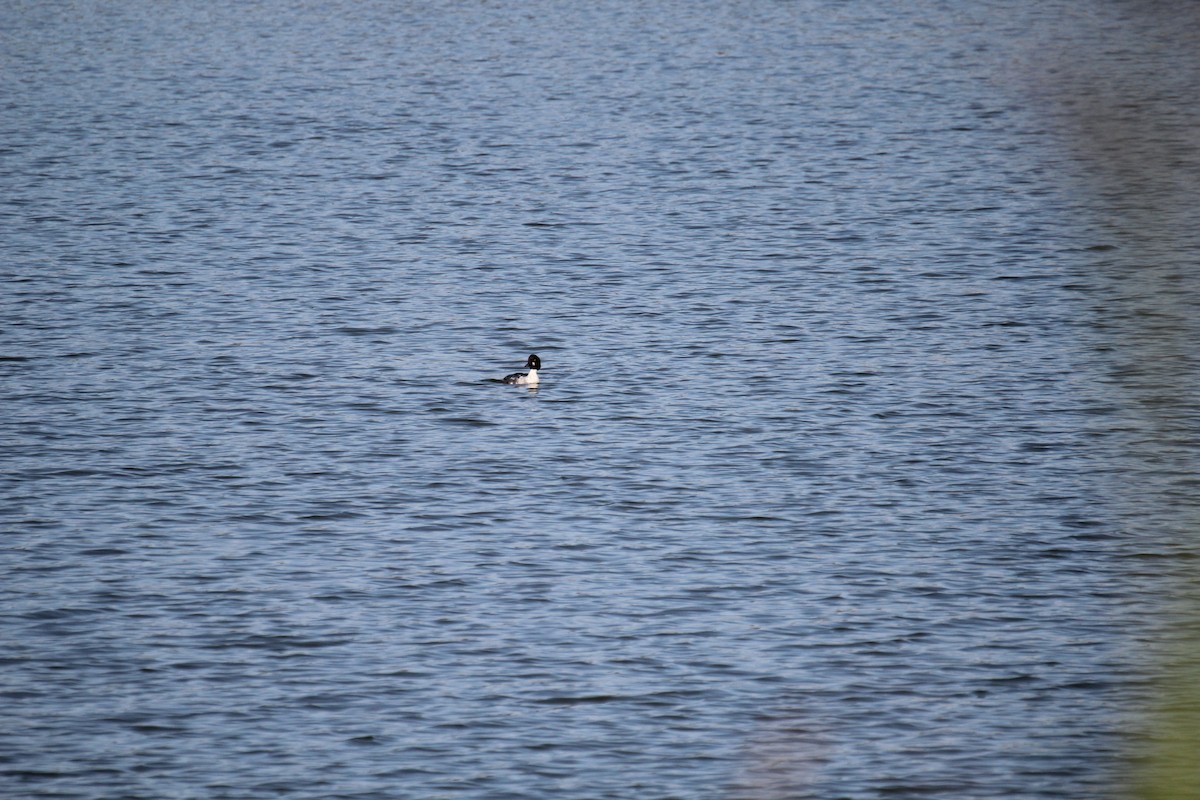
column 865, row 456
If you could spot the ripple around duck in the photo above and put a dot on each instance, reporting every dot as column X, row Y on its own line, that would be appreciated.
column 864, row 451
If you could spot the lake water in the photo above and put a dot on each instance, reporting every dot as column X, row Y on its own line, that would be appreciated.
column 864, row 463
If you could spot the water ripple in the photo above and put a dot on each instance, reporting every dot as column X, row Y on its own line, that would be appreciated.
column 865, row 449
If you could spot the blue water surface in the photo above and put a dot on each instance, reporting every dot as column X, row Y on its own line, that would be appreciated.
column 864, row 463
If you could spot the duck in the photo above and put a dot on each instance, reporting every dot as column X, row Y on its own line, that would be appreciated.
column 533, row 364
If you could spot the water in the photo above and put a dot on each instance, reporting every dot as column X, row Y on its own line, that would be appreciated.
column 864, row 464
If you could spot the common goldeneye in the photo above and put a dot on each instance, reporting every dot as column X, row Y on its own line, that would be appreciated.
column 527, row 378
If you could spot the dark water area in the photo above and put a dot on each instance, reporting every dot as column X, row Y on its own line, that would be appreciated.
column 864, row 463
